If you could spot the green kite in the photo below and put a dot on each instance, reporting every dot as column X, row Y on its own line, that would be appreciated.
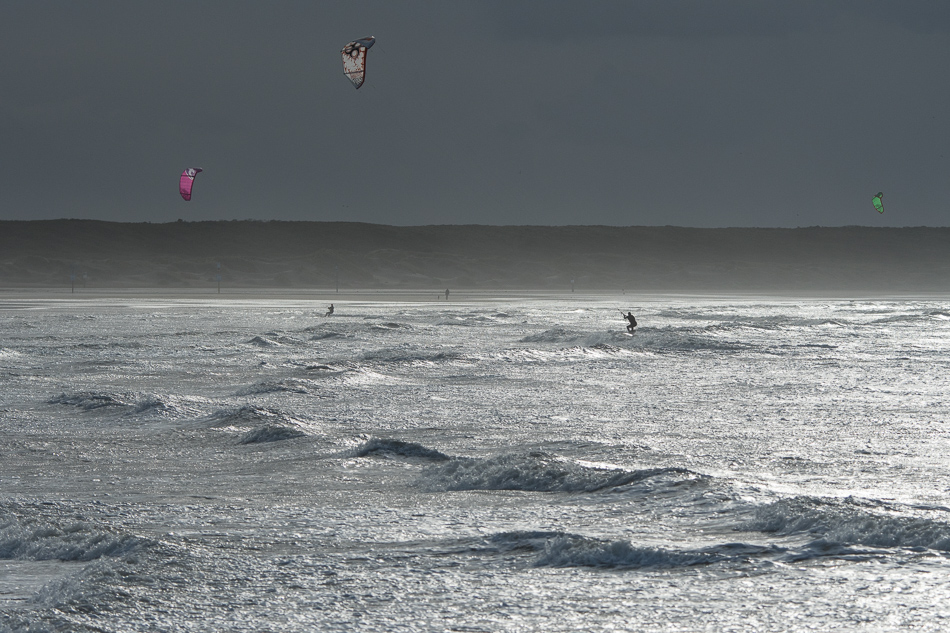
column 878, row 202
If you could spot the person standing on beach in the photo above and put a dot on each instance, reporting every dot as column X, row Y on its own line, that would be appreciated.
column 446, row 294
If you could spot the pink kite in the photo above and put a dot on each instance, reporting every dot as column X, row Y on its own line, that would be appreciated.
column 187, row 182
column 354, row 59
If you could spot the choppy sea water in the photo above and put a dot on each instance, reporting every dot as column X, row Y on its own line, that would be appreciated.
column 509, row 465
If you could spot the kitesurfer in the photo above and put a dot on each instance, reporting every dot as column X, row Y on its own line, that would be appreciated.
column 632, row 321
column 329, row 311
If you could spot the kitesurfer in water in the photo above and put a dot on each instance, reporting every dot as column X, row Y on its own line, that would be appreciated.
column 632, row 321
column 329, row 311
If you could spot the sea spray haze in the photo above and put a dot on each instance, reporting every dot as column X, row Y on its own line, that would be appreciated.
column 476, row 465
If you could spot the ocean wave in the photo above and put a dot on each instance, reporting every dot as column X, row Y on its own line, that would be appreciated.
column 731, row 320
column 333, row 368
column 250, row 415
column 930, row 315
column 534, row 471
column 130, row 402
column 897, row 318
column 554, row 335
column 526, row 540
column 728, row 317
column 89, row 401
column 645, row 338
column 564, row 549
column 571, row 550
column 390, row 326
column 461, row 321
column 40, row 540
column 833, row 522
column 684, row 340
column 345, row 372
column 273, row 339
column 113, row 568
column 272, row 433
column 410, row 355
column 282, row 338
column 321, row 336
column 768, row 324
column 596, row 351
column 288, row 385
column 263, row 341
column 110, row 346
column 386, row 447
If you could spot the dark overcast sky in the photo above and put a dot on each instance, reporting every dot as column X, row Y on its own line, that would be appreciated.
column 682, row 112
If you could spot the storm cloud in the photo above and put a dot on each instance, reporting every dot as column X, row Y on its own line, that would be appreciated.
column 685, row 113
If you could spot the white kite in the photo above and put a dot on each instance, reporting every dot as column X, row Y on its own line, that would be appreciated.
column 354, row 59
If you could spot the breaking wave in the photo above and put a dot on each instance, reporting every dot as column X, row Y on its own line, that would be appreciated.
column 290, row 385
column 846, row 522
column 40, row 540
column 652, row 339
column 534, row 471
column 685, row 340
column 273, row 339
column 400, row 448
column 252, row 415
column 89, row 401
column 570, row 550
column 564, row 549
column 735, row 319
column 390, row 326
column 410, row 355
column 554, row 335
column 129, row 402
column 272, row 433
column 326, row 335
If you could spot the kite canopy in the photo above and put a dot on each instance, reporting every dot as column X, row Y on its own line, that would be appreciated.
column 878, row 202
column 354, row 59
column 187, row 181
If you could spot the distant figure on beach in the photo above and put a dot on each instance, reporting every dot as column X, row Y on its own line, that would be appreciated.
column 329, row 311
column 632, row 321
column 446, row 294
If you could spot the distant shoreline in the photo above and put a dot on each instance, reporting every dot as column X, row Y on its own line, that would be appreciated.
column 19, row 299
column 311, row 257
